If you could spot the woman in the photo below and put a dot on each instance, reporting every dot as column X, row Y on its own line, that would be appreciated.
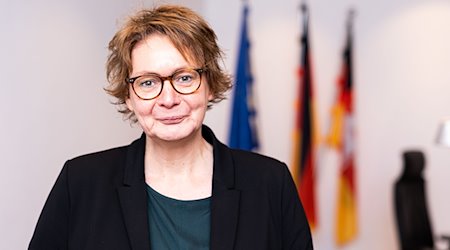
column 177, row 187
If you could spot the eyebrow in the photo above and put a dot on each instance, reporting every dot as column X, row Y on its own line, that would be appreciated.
column 141, row 73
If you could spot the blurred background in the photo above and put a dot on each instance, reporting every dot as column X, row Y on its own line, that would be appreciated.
column 52, row 69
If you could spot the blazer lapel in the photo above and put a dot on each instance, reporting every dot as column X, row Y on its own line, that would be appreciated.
column 225, row 198
column 133, row 197
column 224, row 218
column 133, row 203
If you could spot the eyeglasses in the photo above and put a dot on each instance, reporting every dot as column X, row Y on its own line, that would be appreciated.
column 150, row 86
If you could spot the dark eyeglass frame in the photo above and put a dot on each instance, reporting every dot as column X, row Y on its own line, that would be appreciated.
column 163, row 79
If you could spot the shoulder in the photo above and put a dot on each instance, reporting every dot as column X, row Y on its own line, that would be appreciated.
column 88, row 172
column 94, row 167
column 110, row 154
column 98, row 159
column 244, row 168
column 249, row 159
column 107, row 165
column 254, row 167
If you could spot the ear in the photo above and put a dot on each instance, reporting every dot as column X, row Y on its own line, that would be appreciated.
column 129, row 104
column 210, row 96
column 210, row 93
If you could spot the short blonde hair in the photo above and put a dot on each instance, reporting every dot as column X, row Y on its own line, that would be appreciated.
column 189, row 33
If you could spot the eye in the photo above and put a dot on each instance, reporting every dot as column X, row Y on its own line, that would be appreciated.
column 184, row 78
column 147, row 82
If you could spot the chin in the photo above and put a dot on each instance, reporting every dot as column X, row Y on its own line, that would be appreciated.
column 174, row 132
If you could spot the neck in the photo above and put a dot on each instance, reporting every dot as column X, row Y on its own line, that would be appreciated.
column 176, row 157
column 181, row 170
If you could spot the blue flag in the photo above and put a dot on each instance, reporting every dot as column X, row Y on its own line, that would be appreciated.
column 243, row 131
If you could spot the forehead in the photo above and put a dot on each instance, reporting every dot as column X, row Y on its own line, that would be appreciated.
column 160, row 48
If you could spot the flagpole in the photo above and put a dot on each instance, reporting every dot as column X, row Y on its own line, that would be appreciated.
column 348, row 50
column 350, row 17
column 305, row 14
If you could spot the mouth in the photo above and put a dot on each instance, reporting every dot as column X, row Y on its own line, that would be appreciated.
column 171, row 120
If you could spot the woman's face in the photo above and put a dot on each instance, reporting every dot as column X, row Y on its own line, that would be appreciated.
column 170, row 116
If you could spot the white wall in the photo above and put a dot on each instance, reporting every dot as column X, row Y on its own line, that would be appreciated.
column 52, row 71
column 53, row 107
column 402, row 78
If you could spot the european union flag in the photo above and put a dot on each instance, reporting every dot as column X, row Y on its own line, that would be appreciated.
column 243, row 131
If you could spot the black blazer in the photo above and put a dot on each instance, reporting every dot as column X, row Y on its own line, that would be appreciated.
column 99, row 201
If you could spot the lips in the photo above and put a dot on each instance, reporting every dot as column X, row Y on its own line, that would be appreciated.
column 171, row 119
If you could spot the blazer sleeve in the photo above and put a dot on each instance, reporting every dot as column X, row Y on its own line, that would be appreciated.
column 296, row 232
column 51, row 231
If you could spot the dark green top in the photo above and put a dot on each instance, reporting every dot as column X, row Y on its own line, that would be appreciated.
column 178, row 224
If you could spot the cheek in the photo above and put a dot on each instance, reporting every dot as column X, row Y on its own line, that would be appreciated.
column 139, row 107
column 205, row 99
column 142, row 108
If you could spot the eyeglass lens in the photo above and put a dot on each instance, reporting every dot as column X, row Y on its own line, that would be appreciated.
column 150, row 86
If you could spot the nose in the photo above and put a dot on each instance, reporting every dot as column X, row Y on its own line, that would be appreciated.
column 168, row 97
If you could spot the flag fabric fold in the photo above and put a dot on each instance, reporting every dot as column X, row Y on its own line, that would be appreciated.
column 305, row 133
column 341, row 137
column 243, row 134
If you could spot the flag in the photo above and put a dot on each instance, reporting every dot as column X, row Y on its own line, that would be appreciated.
column 304, row 137
column 341, row 137
column 243, row 134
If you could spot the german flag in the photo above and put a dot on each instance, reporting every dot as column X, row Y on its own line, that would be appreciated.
column 304, row 136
